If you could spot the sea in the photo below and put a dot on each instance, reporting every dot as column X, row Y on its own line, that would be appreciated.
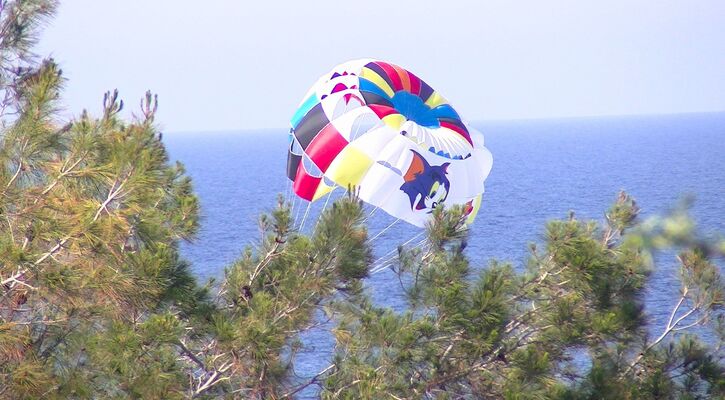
column 543, row 169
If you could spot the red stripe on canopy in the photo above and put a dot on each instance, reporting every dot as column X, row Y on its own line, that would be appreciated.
column 382, row 111
column 414, row 83
column 459, row 130
column 305, row 184
column 325, row 147
column 392, row 74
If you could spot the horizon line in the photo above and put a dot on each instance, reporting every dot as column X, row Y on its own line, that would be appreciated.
column 475, row 121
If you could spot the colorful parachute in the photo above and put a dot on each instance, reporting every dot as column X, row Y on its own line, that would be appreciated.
column 378, row 127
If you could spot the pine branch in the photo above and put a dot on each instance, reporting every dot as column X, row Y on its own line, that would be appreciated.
column 63, row 173
column 191, row 356
column 311, row 381
column 265, row 261
column 671, row 327
column 113, row 193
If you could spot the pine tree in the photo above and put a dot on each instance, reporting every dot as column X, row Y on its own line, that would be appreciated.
column 91, row 283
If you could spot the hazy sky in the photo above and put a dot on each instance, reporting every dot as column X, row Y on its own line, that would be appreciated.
column 220, row 65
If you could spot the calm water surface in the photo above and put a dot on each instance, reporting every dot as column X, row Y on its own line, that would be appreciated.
column 542, row 169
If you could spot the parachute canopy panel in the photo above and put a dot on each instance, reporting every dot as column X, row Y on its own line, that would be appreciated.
column 379, row 127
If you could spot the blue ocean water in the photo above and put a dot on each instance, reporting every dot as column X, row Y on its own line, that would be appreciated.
column 542, row 169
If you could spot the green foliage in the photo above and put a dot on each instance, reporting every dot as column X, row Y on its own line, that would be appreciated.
column 508, row 335
column 268, row 296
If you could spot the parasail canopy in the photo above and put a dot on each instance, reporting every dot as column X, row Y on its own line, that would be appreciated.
column 375, row 126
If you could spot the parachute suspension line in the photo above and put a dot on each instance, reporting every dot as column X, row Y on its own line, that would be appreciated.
column 371, row 213
column 324, row 207
column 382, row 266
column 387, row 260
column 293, row 203
column 307, row 211
column 287, row 192
column 386, row 255
column 296, row 205
column 384, row 230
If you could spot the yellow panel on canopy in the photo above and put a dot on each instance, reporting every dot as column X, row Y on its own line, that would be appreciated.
column 349, row 167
